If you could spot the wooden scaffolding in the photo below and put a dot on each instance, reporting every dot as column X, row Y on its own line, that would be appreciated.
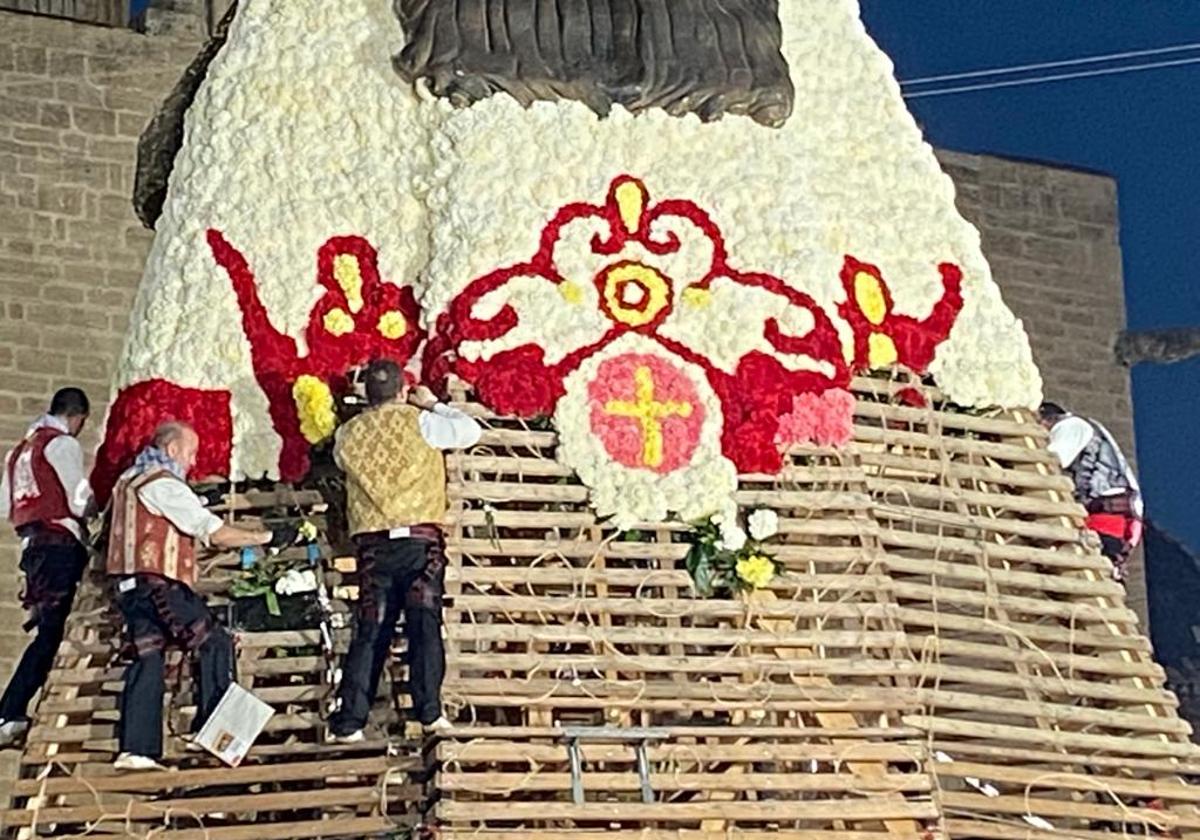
column 945, row 657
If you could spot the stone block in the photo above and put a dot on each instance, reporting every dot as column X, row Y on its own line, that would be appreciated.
column 78, row 92
column 68, row 65
column 15, row 110
column 94, row 120
column 36, row 135
column 53, row 115
column 89, row 366
column 64, row 201
column 29, row 58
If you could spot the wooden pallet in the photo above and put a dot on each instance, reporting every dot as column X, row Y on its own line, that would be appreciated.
column 941, row 598
column 292, row 784
column 946, row 656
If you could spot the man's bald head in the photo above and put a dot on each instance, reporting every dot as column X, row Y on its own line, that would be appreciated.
column 179, row 441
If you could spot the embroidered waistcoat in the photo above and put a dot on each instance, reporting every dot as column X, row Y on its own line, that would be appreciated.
column 393, row 477
column 36, row 494
column 141, row 542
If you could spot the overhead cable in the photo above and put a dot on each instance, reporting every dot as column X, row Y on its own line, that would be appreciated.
column 1045, row 65
column 1054, row 77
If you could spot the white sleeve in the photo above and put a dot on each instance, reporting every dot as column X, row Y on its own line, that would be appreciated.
column 1068, row 438
column 66, row 456
column 175, row 500
column 444, row 427
column 5, row 505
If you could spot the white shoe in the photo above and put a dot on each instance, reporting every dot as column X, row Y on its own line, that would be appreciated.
column 130, row 761
column 12, row 731
column 439, row 726
column 190, row 744
column 355, row 737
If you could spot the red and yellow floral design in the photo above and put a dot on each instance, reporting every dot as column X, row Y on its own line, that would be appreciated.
column 358, row 317
column 646, row 412
column 625, row 259
column 648, row 269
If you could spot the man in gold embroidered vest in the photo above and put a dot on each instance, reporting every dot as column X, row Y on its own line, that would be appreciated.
column 156, row 521
column 396, row 499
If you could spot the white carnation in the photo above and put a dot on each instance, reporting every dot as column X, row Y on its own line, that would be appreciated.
column 733, row 538
column 295, row 582
column 764, row 524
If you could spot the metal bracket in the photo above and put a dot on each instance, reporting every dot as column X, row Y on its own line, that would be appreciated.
column 640, row 737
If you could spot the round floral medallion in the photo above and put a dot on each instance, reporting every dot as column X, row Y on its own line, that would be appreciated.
column 646, row 412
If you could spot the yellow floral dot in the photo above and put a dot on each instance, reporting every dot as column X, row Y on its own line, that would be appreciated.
column 631, row 202
column 881, row 350
column 314, row 405
column 635, row 294
column 349, row 276
column 392, row 325
column 868, row 294
column 338, row 322
column 697, row 296
column 756, row 570
column 571, row 292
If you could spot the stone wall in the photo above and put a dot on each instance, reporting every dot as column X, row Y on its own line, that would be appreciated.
column 73, row 99
column 1051, row 237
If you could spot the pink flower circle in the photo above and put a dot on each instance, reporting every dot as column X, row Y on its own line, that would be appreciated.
column 646, row 411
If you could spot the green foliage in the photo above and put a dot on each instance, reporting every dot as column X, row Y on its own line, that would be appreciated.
column 715, row 568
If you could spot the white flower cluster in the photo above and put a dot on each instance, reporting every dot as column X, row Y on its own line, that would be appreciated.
column 633, row 495
column 302, row 131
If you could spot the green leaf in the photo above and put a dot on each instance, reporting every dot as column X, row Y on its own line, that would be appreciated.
column 699, row 566
column 272, row 601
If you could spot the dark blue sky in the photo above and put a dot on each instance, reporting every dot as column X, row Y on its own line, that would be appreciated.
column 1143, row 128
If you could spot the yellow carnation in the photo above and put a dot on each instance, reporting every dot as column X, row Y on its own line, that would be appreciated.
column 314, row 404
column 756, row 570
column 570, row 292
column 338, row 322
column 392, row 325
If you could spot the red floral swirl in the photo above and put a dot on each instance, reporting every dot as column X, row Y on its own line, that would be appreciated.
column 916, row 340
column 519, row 381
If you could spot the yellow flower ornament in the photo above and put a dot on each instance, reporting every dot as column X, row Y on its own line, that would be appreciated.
column 756, row 570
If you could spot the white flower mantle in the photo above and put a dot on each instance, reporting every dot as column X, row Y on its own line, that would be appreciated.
column 302, row 132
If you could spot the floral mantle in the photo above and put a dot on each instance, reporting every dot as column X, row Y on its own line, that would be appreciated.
column 683, row 298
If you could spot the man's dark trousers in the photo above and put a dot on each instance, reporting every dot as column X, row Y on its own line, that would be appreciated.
column 158, row 612
column 52, row 573
column 394, row 577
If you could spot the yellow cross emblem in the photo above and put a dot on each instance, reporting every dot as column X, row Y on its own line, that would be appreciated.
column 649, row 413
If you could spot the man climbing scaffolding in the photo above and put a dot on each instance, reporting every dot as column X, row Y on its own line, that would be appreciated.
column 156, row 522
column 1104, row 482
column 395, row 499
column 45, row 494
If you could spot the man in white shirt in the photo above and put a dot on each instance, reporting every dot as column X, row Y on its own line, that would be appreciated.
column 156, row 522
column 1104, row 482
column 45, row 495
column 395, row 503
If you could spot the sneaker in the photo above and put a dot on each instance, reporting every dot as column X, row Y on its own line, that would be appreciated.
column 355, row 737
column 438, row 727
column 190, row 744
column 130, row 761
column 12, row 731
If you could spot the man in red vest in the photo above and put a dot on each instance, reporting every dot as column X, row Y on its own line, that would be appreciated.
column 45, row 494
column 156, row 522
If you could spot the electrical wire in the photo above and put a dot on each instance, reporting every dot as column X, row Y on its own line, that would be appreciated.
column 1045, row 65
column 1054, row 77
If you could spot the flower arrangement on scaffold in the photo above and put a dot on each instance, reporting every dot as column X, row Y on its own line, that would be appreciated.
column 726, row 560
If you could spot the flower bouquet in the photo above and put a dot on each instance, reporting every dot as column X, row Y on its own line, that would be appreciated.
column 725, row 559
column 273, row 593
column 276, row 595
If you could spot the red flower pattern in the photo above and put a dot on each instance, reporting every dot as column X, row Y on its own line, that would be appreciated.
column 137, row 412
